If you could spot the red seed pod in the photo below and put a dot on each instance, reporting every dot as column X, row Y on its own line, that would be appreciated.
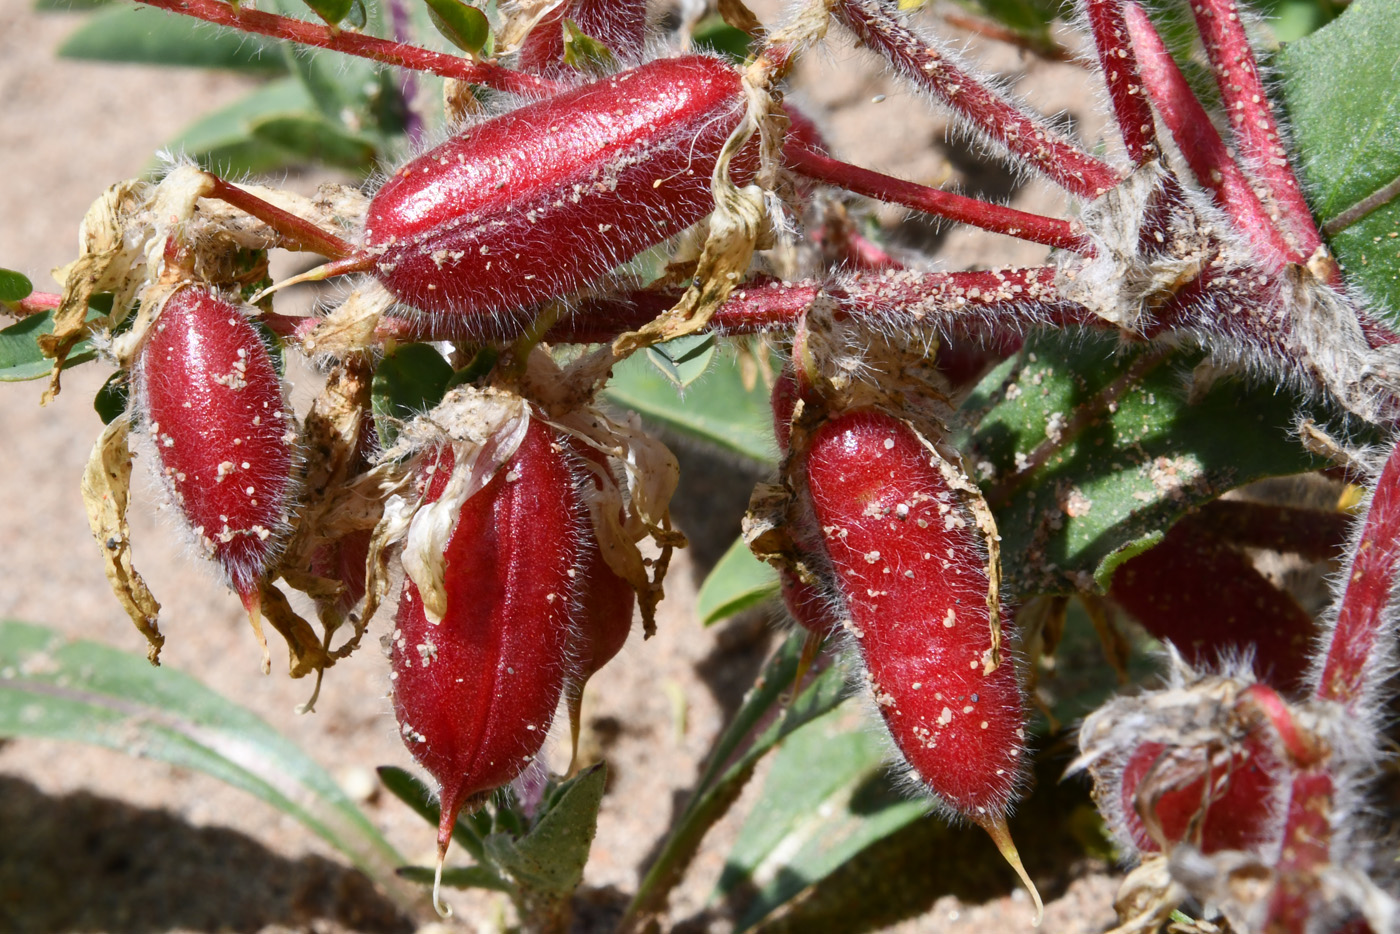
column 212, row 402
column 475, row 693
column 540, row 201
column 911, row 569
column 603, row 619
column 1208, row 600
column 1216, row 802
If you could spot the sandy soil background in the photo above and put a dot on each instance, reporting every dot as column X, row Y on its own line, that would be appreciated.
column 95, row 841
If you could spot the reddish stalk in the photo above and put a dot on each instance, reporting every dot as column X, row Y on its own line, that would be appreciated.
column 1131, row 109
column 1034, row 228
column 34, row 303
column 1026, row 136
column 1205, row 152
column 1362, row 617
column 976, row 303
column 386, row 51
column 297, row 233
column 1050, row 50
column 1306, row 850
column 1256, row 132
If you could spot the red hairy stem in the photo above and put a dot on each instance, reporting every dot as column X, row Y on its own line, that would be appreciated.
column 1256, row 132
column 618, row 24
column 1205, row 152
column 34, row 303
column 1027, row 137
column 385, row 51
column 297, row 233
column 1305, row 851
column 1364, row 615
column 1131, row 109
column 996, row 218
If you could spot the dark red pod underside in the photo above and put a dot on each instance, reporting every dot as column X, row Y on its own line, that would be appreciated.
column 540, row 201
column 212, row 401
column 909, row 565
column 1210, row 601
column 475, row 693
column 606, row 600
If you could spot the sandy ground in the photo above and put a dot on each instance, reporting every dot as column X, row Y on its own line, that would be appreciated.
column 95, row 841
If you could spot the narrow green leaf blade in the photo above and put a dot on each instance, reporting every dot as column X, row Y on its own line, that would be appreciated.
column 827, row 797
column 146, row 36
column 111, row 400
column 1341, row 86
column 684, row 359
column 716, row 410
column 20, row 357
column 421, row 800
column 310, row 138
column 223, row 142
column 85, row 692
column 758, row 726
column 737, row 582
column 551, row 857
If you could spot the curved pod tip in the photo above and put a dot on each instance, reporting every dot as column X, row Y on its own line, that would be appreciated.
column 1001, row 836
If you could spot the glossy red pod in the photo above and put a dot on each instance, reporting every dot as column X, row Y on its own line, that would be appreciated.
column 476, row 692
column 537, row 202
column 605, row 599
column 910, row 567
column 211, row 399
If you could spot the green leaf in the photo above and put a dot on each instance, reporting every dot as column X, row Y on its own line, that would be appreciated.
column 223, row 142
column 310, row 138
column 14, row 286
column 463, row 25
column 152, row 37
column 111, row 400
column 584, row 52
column 828, row 797
column 716, row 410
column 68, row 6
column 1125, row 468
column 752, row 733
column 458, row 877
column 20, row 357
column 715, row 34
column 683, row 360
column 551, row 856
column 410, row 380
column 80, row 691
column 1341, row 86
column 736, row 583
column 332, row 11
column 1030, row 18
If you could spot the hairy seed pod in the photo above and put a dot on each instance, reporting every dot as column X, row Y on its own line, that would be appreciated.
column 475, row 693
column 212, row 400
column 911, row 570
column 1221, row 804
column 603, row 619
column 540, row 201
